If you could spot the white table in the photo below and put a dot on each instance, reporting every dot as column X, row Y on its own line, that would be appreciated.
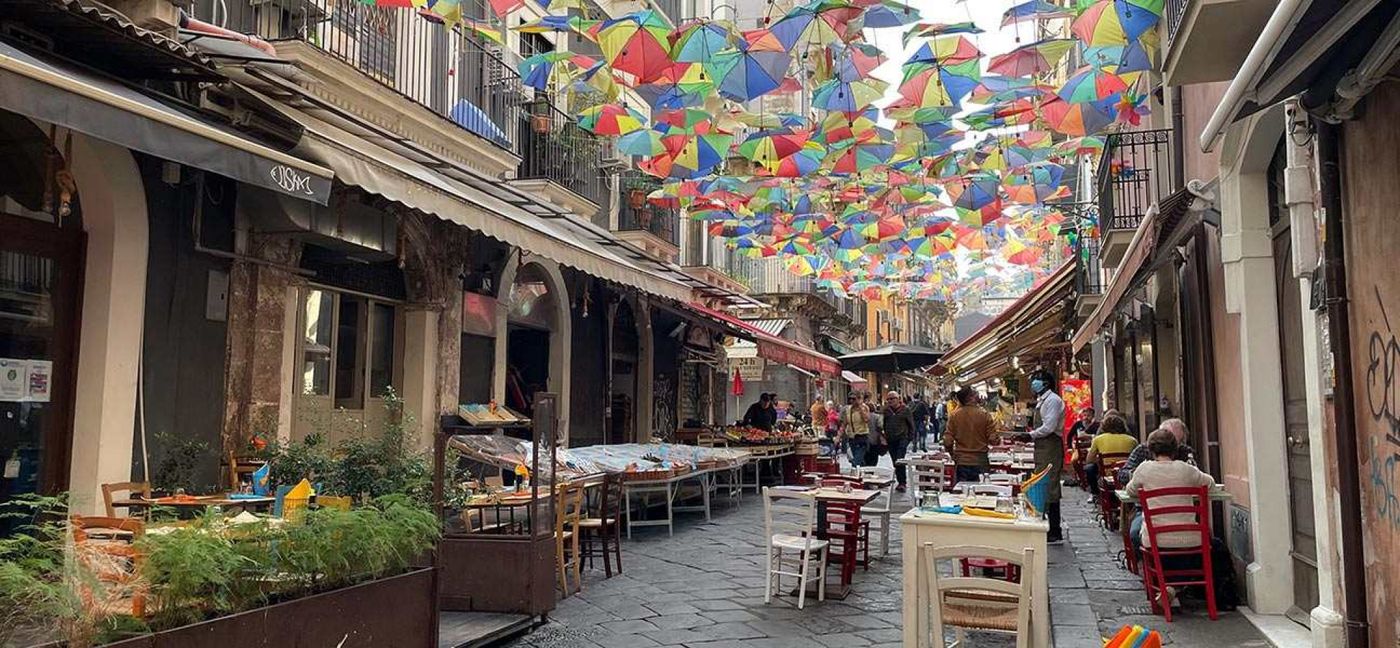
column 945, row 530
column 668, row 488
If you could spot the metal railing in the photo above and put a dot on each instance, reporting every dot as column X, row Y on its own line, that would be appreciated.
column 637, row 214
column 553, row 147
column 445, row 70
column 1088, row 280
column 1134, row 173
column 1175, row 12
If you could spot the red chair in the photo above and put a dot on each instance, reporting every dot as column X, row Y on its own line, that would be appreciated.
column 1109, row 506
column 1081, row 450
column 1179, row 569
column 849, row 536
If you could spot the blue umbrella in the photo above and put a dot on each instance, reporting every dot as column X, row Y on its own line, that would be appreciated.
column 745, row 74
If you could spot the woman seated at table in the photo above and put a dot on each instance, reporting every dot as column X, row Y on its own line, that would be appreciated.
column 1113, row 439
column 1165, row 471
column 970, row 432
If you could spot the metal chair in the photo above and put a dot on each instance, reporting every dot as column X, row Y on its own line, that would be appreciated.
column 974, row 602
column 789, row 521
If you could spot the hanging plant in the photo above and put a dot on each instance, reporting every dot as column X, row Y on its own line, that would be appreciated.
column 637, row 198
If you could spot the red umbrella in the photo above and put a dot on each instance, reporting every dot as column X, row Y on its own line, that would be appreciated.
column 738, row 384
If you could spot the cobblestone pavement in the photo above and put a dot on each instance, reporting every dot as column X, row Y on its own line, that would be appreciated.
column 704, row 588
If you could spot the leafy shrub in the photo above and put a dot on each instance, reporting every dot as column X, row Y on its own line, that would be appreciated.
column 178, row 464
column 40, row 589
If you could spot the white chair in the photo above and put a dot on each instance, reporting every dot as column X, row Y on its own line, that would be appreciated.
column 974, row 602
column 880, row 507
column 927, row 475
column 1010, row 479
column 995, row 490
column 789, row 522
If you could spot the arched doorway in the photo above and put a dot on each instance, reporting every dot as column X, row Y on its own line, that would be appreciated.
column 533, row 316
column 41, row 279
column 626, row 356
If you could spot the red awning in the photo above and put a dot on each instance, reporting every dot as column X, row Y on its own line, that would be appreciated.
column 772, row 347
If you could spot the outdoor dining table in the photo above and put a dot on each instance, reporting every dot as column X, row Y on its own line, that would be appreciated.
column 201, row 502
column 950, row 530
column 834, row 494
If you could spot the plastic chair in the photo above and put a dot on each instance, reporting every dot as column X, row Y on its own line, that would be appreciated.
column 1165, row 512
column 973, row 602
column 605, row 527
column 880, row 507
column 789, row 519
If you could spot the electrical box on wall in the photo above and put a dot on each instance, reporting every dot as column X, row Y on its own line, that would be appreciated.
column 216, row 297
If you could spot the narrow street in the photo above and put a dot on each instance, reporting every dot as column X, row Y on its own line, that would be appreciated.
column 704, row 587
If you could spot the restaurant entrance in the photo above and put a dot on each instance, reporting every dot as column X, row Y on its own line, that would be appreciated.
column 41, row 258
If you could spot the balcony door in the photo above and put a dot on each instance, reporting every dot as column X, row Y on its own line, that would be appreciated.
column 1295, row 401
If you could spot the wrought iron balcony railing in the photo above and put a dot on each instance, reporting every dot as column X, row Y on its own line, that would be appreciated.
column 1134, row 173
column 1089, row 277
column 1175, row 12
column 637, row 214
column 553, row 147
column 445, row 70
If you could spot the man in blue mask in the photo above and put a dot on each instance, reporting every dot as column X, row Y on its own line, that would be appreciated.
column 1047, row 431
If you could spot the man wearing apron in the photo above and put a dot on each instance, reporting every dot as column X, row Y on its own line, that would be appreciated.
column 1047, row 431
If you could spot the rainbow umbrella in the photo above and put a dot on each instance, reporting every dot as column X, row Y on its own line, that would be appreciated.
column 697, row 41
column 799, row 164
column 1133, row 57
column 561, row 6
column 484, row 30
column 747, row 73
column 946, row 51
column 938, row 85
column 848, row 96
column 841, row 126
column 1032, row 60
column 859, row 156
column 817, row 23
column 889, row 13
column 681, row 85
column 546, row 24
column 635, row 44
column 1034, row 10
column 768, row 147
column 930, row 30
column 1116, row 22
column 1076, row 146
column 692, row 156
column 501, row 7
column 974, row 191
column 1093, row 84
column 643, row 142
column 1035, row 183
column 1077, row 119
column 549, row 69
column 611, row 119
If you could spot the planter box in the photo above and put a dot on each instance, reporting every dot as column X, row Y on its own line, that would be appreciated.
column 483, row 572
column 394, row 611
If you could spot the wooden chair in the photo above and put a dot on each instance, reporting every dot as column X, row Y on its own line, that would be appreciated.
column 849, row 536
column 789, row 521
column 130, row 488
column 1109, row 466
column 974, row 602
column 568, row 514
column 113, row 561
column 881, row 507
column 927, row 475
column 1164, row 511
column 604, row 526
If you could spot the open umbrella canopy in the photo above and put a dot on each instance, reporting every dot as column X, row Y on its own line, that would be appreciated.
column 746, row 72
column 636, row 44
column 890, row 358
column 1032, row 60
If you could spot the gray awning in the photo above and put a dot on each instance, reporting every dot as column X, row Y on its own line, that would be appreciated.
column 107, row 110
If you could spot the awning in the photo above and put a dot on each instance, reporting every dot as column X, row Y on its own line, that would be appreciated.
column 891, row 358
column 396, row 176
column 1159, row 231
column 770, row 347
column 1309, row 46
column 108, row 110
column 853, row 378
column 1031, row 326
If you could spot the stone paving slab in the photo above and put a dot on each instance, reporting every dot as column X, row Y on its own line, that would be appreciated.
column 703, row 587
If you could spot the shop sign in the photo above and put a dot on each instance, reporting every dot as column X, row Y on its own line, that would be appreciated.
column 478, row 314
column 25, row 381
column 749, row 368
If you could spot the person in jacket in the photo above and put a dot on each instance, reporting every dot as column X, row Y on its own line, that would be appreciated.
column 920, row 411
column 856, row 429
column 877, row 431
column 1113, row 439
column 1164, row 470
column 971, row 431
column 818, row 412
column 899, row 430
column 759, row 415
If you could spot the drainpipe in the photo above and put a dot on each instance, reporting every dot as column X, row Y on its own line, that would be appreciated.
column 1354, row 594
column 1178, row 139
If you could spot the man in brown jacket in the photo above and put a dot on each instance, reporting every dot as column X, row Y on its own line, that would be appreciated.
column 970, row 431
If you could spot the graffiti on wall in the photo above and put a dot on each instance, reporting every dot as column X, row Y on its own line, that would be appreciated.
column 1382, row 486
column 1240, row 545
column 664, row 408
column 1383, row 359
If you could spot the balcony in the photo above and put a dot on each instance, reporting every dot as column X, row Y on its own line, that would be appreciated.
column 1207, row 40
column 651, row 227
column 1133, row 174
column 1088, row 276
column 707, row 258
column 561, row 160
column 414, row 74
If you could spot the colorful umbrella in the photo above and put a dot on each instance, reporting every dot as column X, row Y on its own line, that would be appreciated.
column 937, row 85
column 1034, row 10
column 1032, row 60
column 697, row 41
column 1035, row 183
column 818, row 23
column 551, row 69
column 848, row 97
column 747, row 73
column 946, row 51
column 641, row 143
column 930, row 30
column 611, row 119
column 889, row 13
column 974, row 191
column 1093, row 84
column 768, row 147
column 1116, row 22
column 635, row 44
column 546, row 24
column 1077, row 119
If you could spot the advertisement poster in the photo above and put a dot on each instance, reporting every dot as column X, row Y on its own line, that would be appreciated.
column 25, row 381
column 1078, row 395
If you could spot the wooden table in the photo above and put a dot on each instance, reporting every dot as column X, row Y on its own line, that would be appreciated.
column 945, row 530
column 223, row 501
column 832, row 494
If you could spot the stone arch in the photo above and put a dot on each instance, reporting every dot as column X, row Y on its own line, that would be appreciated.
column 560, row 335
column 116, row 223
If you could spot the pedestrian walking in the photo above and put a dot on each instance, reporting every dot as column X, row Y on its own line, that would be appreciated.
column 899, row 430
column 878, row 448
column 971, row 431
column 920, row 411
column 940, row 419
column 855, row 427
column 1047, row 432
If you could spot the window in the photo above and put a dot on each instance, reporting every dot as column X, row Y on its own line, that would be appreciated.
column 347, row 347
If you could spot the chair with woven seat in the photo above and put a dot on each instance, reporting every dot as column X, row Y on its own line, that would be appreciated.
column 789, row 524
column 568, row 512
column 880, row 508
column 1109, row 467
column 974, row 602
column 604, row 527
column 113, row 562
column 132, row 490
